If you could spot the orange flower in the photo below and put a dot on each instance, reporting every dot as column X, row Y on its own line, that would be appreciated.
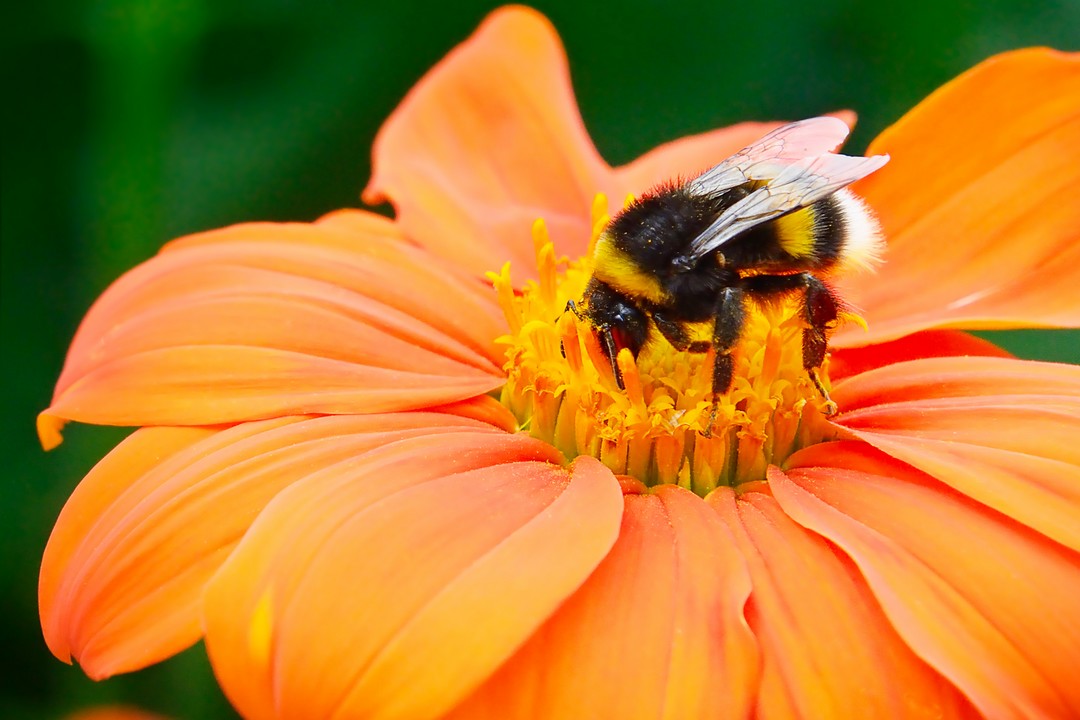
column 325, row 488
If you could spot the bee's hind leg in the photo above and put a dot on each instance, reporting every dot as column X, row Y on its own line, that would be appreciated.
column 730, row 319
column 821, row 309
column 674, row 333
column 728, row 328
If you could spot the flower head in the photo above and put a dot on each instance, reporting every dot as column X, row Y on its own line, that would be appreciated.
column 326, row 489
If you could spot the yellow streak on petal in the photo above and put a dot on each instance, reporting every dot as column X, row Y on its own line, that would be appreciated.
column 260, row 630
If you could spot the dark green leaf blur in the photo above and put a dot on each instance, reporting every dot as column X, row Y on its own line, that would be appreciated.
column 131, row 122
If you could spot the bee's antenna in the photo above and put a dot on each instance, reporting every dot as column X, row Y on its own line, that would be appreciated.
column 571, row 306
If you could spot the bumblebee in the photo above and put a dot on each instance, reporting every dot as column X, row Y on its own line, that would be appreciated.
column 689, row 258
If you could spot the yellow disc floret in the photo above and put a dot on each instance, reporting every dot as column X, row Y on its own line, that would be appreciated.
column 665, row 426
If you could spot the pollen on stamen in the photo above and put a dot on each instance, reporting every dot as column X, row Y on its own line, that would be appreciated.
column 664, row 425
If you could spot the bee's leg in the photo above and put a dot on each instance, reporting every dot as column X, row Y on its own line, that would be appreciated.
column 728, row 328
column 730, row 318
column 821, row 312
column 673, row 332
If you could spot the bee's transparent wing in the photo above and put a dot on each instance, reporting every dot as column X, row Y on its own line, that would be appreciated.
column 796, row 185
column 771, row 154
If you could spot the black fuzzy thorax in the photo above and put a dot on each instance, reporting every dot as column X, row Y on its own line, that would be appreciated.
column 658, row 227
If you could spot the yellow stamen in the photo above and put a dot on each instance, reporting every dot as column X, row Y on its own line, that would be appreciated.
column 600, row 220
column 664, row 426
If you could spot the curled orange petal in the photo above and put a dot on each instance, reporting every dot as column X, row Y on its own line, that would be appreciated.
column 486, row 143
column 69, row 625
column 263, row 320
column 987, row 602
column 114, row 712
column 139, row 538
column 827, row 649
column 656, row 632
column 1000, row 430
column 847, row 361
column 977, row 204
column 394, row 586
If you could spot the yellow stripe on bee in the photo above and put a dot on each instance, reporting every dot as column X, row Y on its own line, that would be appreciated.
column 795, row 233
column 615, row 268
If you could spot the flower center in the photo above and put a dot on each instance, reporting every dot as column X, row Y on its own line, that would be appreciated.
column 665, row 426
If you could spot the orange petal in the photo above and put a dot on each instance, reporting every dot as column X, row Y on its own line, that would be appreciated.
column 986, row 601
column 845, row 362
column 1001, row 431
column 114, row 712
column 141, row 535
column 78, row 531
column 689, row 156
column 486, row 143
column 264, row 320
column 484, row 408
column 393, row 587
column 978, row 204
column 656, row 632
column 827, row 649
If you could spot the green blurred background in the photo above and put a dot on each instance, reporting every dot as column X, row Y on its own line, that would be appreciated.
column 128, row 123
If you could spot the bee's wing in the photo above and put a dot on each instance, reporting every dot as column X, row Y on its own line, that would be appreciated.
column 796, row 185
column 771, row 154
